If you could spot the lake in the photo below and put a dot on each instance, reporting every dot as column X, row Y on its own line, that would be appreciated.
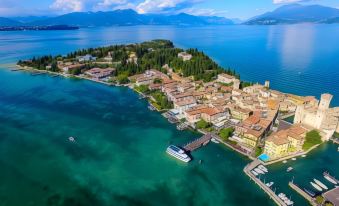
column 118, row 157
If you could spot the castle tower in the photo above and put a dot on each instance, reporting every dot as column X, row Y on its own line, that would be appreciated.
column 325, row 101
column 236, row 84
column 299, row 113
column 267, row 84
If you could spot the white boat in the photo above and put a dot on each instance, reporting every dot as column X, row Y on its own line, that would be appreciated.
column 269, row 184
column 294, row 159
column 215, row 140
column 327, row 177
column 254, row 173
column 289, row 169
column 303, row 155
column 263, row 168
column 178, row 153
column 284, row 161
column 71, row 139
column 320, row 184
column 316, row 186
column 259, row 171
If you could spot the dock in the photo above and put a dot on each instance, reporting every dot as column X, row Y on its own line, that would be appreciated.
column 302, row 193
column 204, row 140
column 37, row 73
column 262, row 185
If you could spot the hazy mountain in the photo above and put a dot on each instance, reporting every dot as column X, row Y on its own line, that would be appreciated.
column 27, row 19
column 128, row 17
column 8, row 22
column 331, row 20
column 296, row 13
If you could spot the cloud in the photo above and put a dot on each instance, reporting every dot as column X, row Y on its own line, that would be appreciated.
column 67, row 5
column 287, row 1
column 112, row 2
column 160, row 6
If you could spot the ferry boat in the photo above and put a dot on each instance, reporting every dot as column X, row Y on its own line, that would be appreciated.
column 316, row 187
column 263, row 168
column 309, row 192
column 289, row 169
column 320, row 184
column 178, row 153
column 329, row 178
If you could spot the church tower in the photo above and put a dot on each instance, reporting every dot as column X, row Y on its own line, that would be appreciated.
column 325, row 101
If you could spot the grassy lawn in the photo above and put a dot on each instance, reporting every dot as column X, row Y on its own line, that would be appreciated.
column 312, row 138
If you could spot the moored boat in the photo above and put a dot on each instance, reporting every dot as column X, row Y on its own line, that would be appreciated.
column 309, row 192
column 215, row 140
column 331, row 179
column 269, row 184
column 289, row 169
column 178, row 153
column 259, row 171
column 254, row 173
column 263, row 168
column 316, row 187
column 320, row 184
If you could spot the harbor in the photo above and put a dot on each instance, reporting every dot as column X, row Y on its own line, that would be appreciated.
column 196, row 144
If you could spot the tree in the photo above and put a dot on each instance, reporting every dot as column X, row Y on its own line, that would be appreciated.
column 202, row 124
column 122, row 79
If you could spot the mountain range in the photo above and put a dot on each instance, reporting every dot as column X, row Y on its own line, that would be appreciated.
column 117, row 18
column 296, row 13
column 288, row 14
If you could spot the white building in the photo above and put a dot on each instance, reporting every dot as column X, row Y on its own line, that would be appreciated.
column 225, row 78
column 185, row 56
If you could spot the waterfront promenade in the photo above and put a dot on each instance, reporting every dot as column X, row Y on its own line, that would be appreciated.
column 266, row 189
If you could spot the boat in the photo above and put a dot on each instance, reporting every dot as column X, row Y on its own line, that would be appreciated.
column 309, row 192
column 284, row 161
column 269, row 184
column 71, row 139
column 289, row 202
column 263, row 168
column 254, row 173
column 294, row 159
column 320, row 184
column 289, row 169
column 178, row 153
column 316, row 186
column 331, row 179
column 303, row 155
column 259, row 171
column 215, row 140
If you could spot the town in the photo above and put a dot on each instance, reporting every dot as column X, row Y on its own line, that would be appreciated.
column 192, row 91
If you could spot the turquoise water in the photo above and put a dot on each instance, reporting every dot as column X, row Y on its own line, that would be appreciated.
column 119, row 155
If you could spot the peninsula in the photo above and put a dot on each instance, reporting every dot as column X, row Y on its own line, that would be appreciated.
column 195, row 92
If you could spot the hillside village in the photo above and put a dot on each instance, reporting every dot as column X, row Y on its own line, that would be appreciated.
column 194, row 92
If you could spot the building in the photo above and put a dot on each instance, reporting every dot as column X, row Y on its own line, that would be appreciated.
column 184, row 105
column 319, row 116
column 226, row 78
column 203, row 112
column 185, row 56
column 86, row 58
column 98, row 73
column 72, row 67
column 285, row 142
column 332, row 196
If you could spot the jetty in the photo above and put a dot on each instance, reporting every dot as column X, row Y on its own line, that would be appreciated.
column 202, row 141
column 302, row 193
column 262, row 185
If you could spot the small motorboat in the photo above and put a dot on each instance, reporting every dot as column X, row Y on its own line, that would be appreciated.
column 269, row 184
column 71, row 139
column 294, row 159
column 289, row 169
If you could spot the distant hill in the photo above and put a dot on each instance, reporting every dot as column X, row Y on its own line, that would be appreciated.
column 8, row 22
column 124, row 18
column 27, row 19
column 295, row 13
column 331, row 21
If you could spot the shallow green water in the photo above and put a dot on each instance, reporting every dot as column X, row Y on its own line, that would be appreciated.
column 119, row 155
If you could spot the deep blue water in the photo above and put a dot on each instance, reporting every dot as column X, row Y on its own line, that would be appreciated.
column 119, row 156
column 300, row 59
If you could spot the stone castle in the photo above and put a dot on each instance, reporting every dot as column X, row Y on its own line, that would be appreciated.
column 319, row 115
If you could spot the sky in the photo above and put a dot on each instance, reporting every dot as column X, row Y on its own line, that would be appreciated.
column 242, row 9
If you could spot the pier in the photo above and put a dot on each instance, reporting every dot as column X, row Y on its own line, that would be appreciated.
column 264, row 187
column 204, row 140
column 302, row 193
